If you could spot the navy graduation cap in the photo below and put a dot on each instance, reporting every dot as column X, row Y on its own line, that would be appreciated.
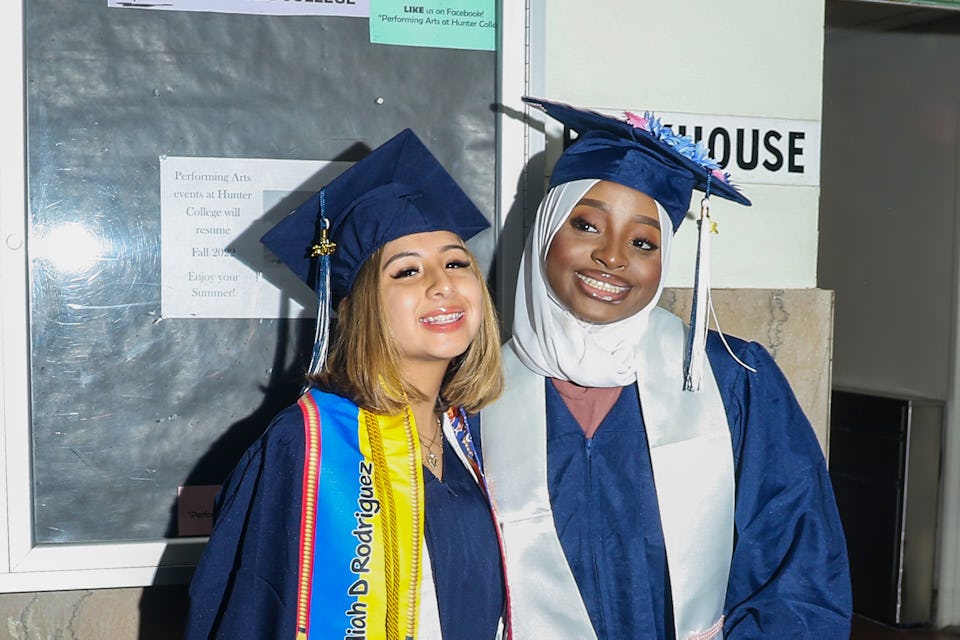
column 399, row 189
column 640, row 153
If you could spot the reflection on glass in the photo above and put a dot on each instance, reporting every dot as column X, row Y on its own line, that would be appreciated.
column 69, row 247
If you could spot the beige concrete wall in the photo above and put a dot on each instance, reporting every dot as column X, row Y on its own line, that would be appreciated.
column 796, row 327
column 155, row 613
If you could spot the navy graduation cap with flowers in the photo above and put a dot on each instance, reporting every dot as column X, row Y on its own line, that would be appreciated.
column 640, row 153
column 399, row 189
column 643, row 154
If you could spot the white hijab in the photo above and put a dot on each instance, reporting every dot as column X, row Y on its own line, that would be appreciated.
column 550, row 340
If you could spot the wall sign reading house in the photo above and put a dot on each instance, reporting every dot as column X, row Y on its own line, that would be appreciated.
column 754, row 150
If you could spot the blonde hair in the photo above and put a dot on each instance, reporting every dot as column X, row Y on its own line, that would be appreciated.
column 364, row 362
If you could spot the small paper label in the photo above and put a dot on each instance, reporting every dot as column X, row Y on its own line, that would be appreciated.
column 449, row 24
column 195, row 509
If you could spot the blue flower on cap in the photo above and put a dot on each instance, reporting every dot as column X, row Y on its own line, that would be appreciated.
column 684, row 145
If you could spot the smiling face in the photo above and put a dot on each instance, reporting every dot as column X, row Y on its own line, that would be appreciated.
column 604, row 263
column 431, row 294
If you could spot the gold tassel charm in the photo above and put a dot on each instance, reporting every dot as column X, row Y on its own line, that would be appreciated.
column 325, row 247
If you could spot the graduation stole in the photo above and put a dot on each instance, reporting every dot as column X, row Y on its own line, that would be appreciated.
column 692, row 459
column 364, row 496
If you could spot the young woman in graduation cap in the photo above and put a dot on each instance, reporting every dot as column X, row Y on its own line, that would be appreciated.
column 362, row 511
column 651, row 480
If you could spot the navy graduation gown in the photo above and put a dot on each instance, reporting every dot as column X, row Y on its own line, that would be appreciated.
column 789, row 576
column 245, row 586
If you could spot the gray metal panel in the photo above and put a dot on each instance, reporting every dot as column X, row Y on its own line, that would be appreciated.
column 127, row 406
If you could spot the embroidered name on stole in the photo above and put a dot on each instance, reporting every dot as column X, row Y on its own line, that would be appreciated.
column 362, row 523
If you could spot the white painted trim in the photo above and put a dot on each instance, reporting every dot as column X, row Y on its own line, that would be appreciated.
column 14, row 417
column 948, row 557
column 512, row 70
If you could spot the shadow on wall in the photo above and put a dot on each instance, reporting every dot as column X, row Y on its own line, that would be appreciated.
column 517, row 223
column 163, row 612
column 163, row 609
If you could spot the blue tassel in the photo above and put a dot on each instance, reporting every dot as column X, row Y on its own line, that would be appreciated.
column 322, row 251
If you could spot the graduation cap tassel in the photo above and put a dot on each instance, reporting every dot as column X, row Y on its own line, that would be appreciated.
column 322, row 250
column 321, row 337
column 697, row 338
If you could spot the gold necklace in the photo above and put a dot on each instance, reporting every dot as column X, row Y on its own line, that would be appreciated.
column 432, row 459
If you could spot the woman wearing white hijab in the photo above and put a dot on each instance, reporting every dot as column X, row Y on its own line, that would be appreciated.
column 651, row 482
